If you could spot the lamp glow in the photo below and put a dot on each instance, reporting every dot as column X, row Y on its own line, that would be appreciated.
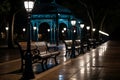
column 48, row 30
column 24, row 29
column 82, row 25
column 34, row 28
column 73, row 22
column 93, row 29
column 88, row 27
column 28, row 5
column 7, row 28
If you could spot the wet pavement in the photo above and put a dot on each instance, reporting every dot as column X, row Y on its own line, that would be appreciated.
column 101, row 63
column 8, row 54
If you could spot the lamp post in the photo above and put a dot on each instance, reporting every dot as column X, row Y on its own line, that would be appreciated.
column 88, row 28
column 82, row 36
column 34, row 29
column 48, row 36
column 28, row 71
column 6, row 28
column 24, row 30
column 73, row 23
column 88, row 36
column 94, row 38
column 93, row 32
column 82, row 31
column 65, row 32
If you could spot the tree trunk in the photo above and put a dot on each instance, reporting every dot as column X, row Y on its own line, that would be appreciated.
column 11, row 31
column 91, row 22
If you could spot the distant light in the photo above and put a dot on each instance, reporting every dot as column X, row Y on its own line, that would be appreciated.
column 34, row 28
column 6, row 28
column 24, row 29
column 73, row 22
column 74, row 31
column 48, row 30
column 64, row 29
column 104, row 33
column 93, row 29
column 88, row 27
column 82, row 25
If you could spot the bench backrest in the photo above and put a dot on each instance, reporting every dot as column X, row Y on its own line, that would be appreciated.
column 68, row 44
column 21, row 50
column 41, row 46
column 24, row 45
column 77, row 42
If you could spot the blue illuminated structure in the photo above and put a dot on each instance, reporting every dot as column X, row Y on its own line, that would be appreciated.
column 51, row 16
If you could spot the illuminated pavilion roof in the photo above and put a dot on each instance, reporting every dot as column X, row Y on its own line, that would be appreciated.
column 50, row 8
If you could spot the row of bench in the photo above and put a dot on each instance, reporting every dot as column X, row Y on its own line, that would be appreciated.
column 79, row 46
column 69, row 44
column 40, row 53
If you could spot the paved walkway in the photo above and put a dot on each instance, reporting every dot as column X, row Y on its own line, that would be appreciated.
column 102, row 63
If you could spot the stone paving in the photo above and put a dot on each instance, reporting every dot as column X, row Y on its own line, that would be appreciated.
column 101, row 63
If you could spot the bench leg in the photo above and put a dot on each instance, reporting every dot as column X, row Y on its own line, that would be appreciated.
column 82, row 50
column 55, row 58
column 42, row 64
column 56, row 61
column 68, row 53
column 46, row 64
column 78, row 51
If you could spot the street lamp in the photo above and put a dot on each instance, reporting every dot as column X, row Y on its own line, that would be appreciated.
column 88, row 36
column 24, row 29
column 28, row 71
column 82, row 26
column 73, row 23
column 34, row 28
column 88, row 27
column 48, row 30
column 64, row 29
column 7, row 28
column 23, row 33
column 34, row 32
column 82, row 30
column 93, row 32
column 48, row 35
column 93, row 29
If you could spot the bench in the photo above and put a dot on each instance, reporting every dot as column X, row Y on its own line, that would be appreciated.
column 39, row 51
column 85, row 46
column 78, row 45
column 23, row 50
column 92, row 43
column 68, row 45
column 45, row 53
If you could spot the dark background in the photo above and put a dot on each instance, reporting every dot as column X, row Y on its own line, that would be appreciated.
column 111, row 24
